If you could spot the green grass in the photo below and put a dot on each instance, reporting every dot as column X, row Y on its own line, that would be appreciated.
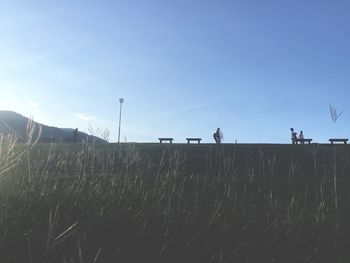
column 174, row 203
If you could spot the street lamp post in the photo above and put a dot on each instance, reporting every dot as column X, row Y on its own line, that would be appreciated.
column 121, row 100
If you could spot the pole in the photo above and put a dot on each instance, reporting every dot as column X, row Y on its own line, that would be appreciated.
column 121, row 100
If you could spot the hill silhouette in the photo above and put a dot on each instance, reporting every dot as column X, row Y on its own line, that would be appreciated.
column 16, row 124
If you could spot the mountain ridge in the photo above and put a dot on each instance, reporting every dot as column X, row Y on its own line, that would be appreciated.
column 16, row 124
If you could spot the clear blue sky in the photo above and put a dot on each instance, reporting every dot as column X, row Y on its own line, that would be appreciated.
column 254, row 68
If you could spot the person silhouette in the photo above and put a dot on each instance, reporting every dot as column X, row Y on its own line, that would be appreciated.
column 301, row 137
column 293, row 136
column 217, row 136
column 75, row 134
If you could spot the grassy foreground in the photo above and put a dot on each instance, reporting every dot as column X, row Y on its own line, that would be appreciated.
column 178, row 203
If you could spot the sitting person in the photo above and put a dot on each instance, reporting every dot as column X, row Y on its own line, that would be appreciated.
column 301, row 137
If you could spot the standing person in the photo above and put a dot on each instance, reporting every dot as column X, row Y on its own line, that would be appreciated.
column 75, row 134
column 301, row 137
column 217, row 136
column 293, row 136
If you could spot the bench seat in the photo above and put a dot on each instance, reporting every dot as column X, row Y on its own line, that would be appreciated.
column 198, row 140
column 303, row 140
column 333, row 140
column 170, row 140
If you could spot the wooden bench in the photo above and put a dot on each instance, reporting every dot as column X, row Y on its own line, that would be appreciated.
column 303, row 141
column 194, row 140
column 170, row 140
column 338, row 140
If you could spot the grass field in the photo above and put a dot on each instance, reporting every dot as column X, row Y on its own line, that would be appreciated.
column 174, row 203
